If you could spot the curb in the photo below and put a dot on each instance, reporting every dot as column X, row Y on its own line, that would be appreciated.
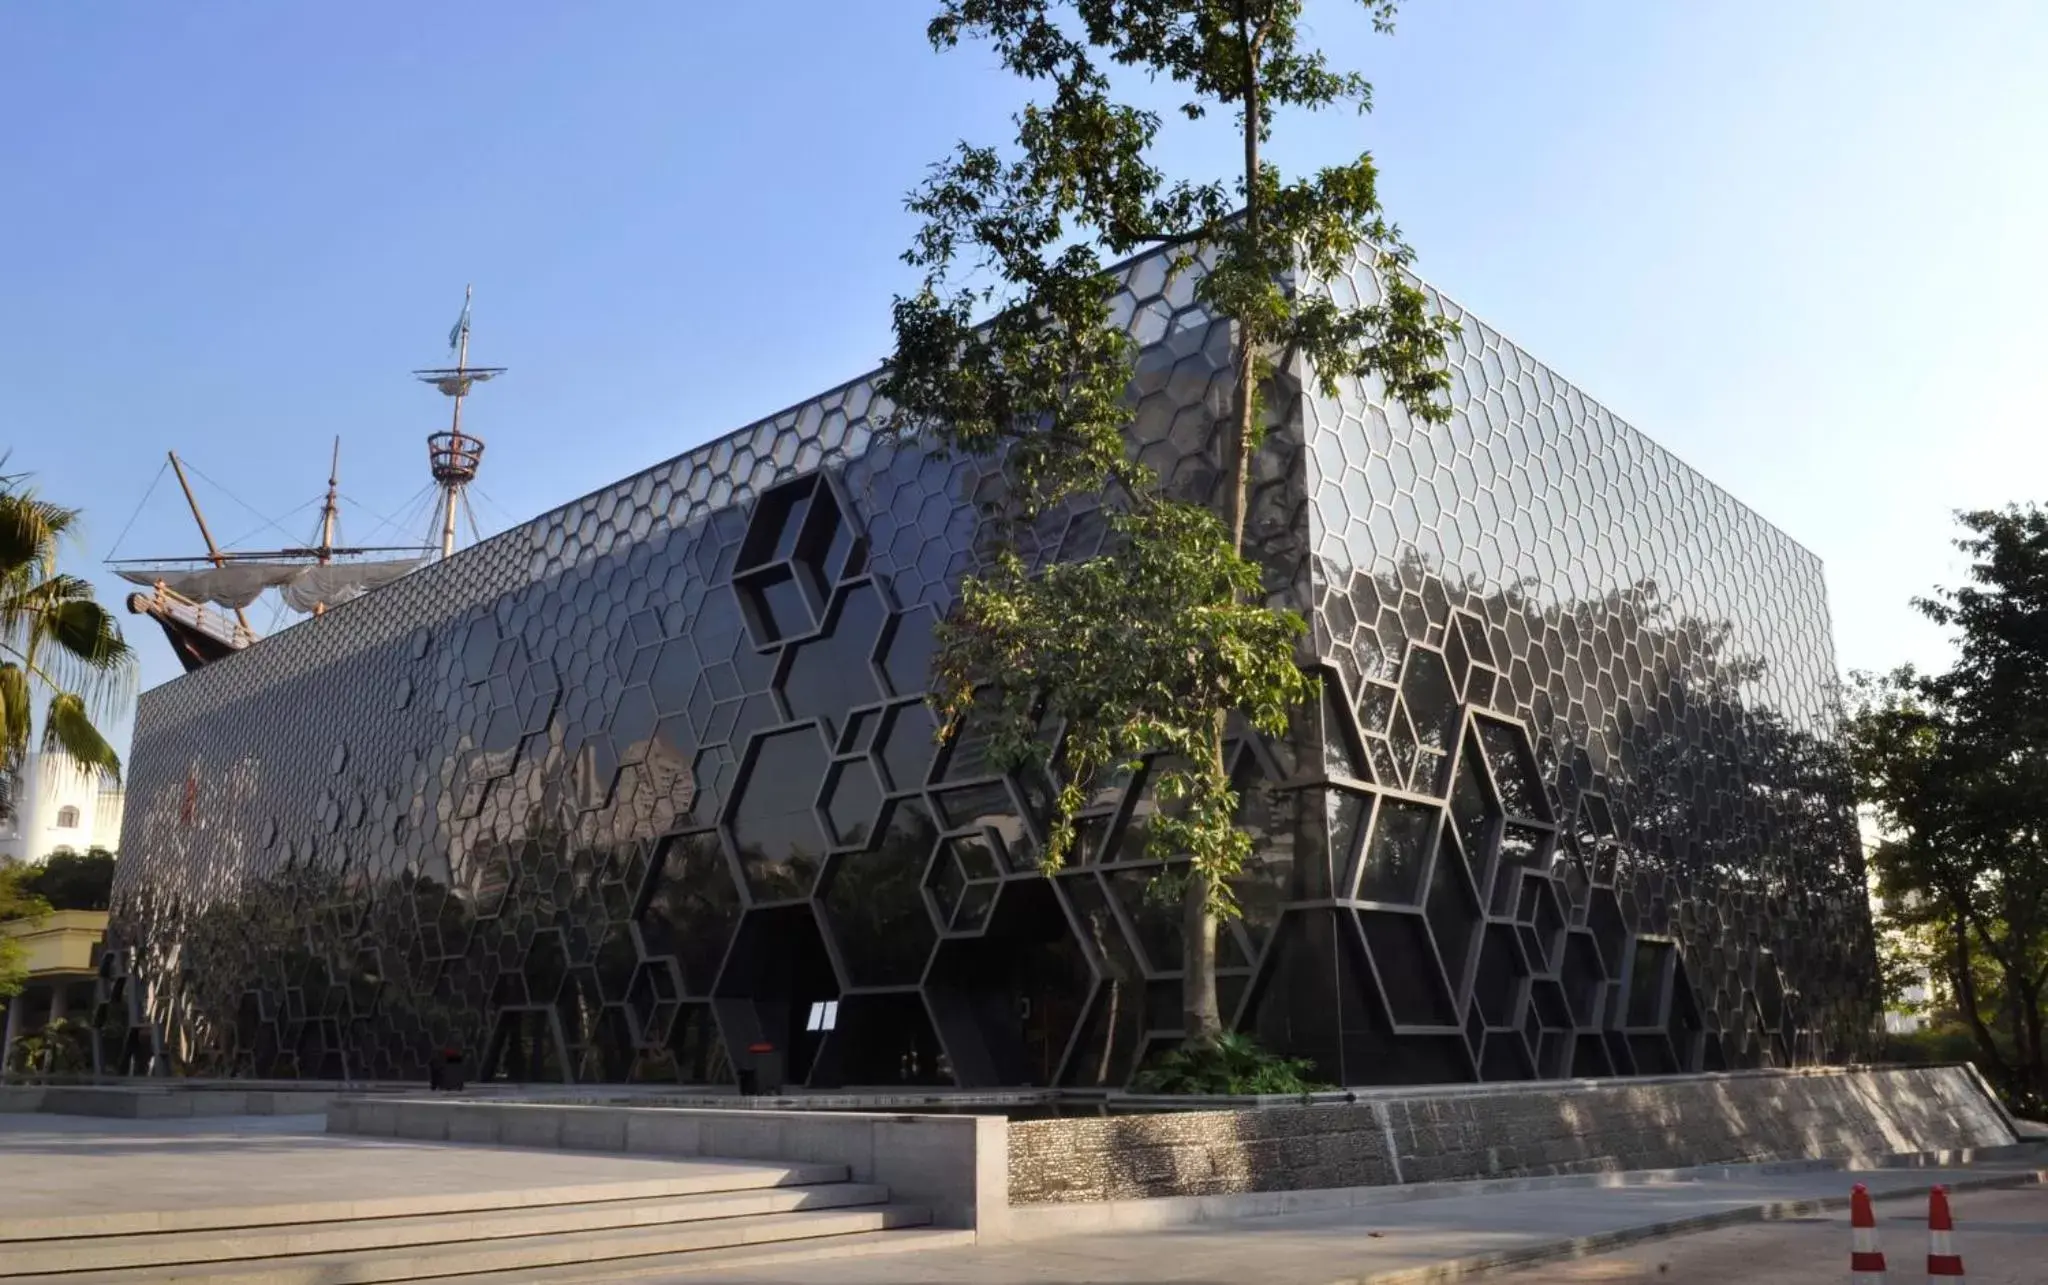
column 1459, row 1269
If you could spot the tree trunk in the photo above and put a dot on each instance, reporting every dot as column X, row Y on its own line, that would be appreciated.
column 1202, row 1009
column 2027, row 1033
column 1966, row 999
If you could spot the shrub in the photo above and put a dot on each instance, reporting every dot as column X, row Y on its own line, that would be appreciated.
column 1233, row 1065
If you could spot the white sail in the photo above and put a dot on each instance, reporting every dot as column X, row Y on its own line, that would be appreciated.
column 234, row 586
column 302, row 585
column 337, row 582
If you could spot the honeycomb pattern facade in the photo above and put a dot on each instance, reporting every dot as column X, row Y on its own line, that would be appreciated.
column 623, row 792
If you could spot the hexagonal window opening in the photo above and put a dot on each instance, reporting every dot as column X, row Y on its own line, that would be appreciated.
column 771, row 820
column 690, row 907
column 798, row 545
column 906, row 649
column 851, row 801
column 1511, row 762
column 778, row 988
column 526, row 1047
column 1405, row 966
column 827, row 676
column 905, row 744
column 1395, row 860
column 874, row 906
column 882, row 1040
column 962, row 880
column 1008, row 1003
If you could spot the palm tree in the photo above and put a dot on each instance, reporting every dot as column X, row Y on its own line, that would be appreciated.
column 54, row 639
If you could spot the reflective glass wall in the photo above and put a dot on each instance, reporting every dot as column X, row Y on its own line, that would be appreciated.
column 648, row 781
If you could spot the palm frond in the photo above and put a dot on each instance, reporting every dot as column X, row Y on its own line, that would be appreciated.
column 69, row 733
column 56, row 639
column 16, row 718
column 68, row 642
column 30, row 529
column 82, row 628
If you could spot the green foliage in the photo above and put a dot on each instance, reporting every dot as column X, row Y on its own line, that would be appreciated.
column 54, row 640
column 1231, row 1064
column 1955, row 766
column 1133, row 653
column 61, row 1048
column 71, row 880
column 17, row 902
column 1946, row 1042
column 1146, row 653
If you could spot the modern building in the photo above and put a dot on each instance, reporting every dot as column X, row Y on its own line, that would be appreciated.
column 625, row 791
column 54, row 805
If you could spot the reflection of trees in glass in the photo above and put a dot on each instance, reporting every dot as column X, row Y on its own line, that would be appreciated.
column 693, row 910
column 1671, row 776
column 876, row 910
column 310, row 962
column 785, row 876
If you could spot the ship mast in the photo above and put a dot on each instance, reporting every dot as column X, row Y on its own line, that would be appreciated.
column 325, row 553
column 453, row 456
column 184, row 591
column 213, row 552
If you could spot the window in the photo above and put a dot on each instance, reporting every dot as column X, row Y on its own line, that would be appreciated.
column 824, row 1016
column 67, row 818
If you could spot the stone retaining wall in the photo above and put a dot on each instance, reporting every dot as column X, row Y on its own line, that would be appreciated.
column 1427, row 1135
column 156, row 1103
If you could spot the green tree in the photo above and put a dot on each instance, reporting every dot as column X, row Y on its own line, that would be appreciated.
column 55, row 641
column 1955, row 766
column 72, row 880
column 17, row 902
column 1147, row 653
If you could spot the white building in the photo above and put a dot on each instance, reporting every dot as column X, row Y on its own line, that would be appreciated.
column 1917, row 994
column 57, row 806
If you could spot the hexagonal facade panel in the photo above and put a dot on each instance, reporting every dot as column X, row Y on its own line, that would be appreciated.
column 624, row 792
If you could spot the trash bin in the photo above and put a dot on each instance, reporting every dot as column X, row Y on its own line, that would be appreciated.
column 446, row 1071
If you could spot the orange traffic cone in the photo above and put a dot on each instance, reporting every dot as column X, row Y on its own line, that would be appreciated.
column 1944, row 1264
column 1866, row 1260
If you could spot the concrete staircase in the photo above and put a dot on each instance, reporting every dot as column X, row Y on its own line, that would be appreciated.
column 718, row 1215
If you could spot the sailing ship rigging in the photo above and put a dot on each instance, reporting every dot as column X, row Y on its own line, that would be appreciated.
column 201, row 602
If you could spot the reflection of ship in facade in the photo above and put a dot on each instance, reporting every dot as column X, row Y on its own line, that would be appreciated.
column 202, row 602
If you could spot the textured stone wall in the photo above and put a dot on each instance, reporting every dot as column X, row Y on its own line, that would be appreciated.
column 1196, row 1153
column 1504, row 1133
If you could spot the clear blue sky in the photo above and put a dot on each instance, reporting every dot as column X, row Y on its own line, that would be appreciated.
column 1803, row 245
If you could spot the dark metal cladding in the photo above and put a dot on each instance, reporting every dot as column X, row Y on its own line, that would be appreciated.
column 621, row 793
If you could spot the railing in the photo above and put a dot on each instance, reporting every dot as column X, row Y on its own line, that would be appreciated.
column 167, row 603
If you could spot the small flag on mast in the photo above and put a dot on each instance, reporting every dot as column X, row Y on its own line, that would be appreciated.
column 461, row 326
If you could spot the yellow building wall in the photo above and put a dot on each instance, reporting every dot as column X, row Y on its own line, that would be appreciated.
column 59, row 943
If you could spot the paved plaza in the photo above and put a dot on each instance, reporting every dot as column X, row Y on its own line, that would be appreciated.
column 146, row 1170
column 148, row 1174
column 2001, row 1235
column 1420, row 1240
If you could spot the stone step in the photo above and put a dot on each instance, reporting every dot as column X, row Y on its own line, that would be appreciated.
column 667, row 1267
column 163, row 1249
column 524, row 1255
column 699, row 1177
